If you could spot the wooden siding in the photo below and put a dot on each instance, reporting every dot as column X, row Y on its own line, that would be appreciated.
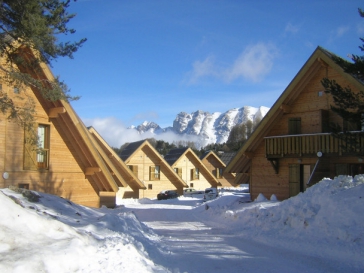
column 145, row 158
column 213, row 164
column 313, row 108
column 65, row 176
column 186, row 164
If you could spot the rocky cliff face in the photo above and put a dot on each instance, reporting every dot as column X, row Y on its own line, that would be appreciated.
column 210, row 128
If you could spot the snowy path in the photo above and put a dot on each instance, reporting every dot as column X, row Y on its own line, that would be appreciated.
column 189, row 243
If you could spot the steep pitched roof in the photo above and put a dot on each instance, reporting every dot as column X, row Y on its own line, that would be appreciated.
column 119, row 169
column 227, row 157
column 74, row 131
column 211, row 153
column 188, row 152
column 128, row 150
column 319, row 58
column 133, row 147
column 173, row 155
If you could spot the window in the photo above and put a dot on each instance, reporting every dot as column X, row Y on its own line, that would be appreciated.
column 178, row 171
column 16, row 90
column 294, row 126
column 219, row 172
column 195, row 174
column 134, row 169
column 191, row 185
column 36, row 148
column 154, row 173
column 23, row 186
column 150, row 186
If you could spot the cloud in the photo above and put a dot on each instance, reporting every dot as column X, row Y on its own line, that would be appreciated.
column 340, row 31
column 202, row 69
column 252, row 64
column 291, row 28
column 115, row 133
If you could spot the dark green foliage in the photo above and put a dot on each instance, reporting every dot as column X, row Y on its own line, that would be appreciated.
column 240, row 133
column 33, row 26
column 349, row 105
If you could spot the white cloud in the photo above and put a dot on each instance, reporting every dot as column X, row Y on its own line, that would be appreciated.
column 202, row 69
column 252, row 64
column 340, row 31
column 291, row 28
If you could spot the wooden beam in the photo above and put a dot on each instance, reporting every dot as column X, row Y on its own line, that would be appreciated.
column 285, row 108
column 275, row 164
column 92, row 170
column 249, row 154
column 322, row 63
column 53, row 112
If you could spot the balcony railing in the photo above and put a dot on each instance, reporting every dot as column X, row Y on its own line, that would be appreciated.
column 309, row 144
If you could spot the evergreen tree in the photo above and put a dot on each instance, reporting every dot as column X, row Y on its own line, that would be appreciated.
column 35, row 25
column 348, row 104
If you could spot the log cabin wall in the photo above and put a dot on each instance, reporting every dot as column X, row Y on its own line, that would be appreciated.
column 213, row 165
column 312, row 106
column 64, row 175
column 187, row 163
column 141, row 162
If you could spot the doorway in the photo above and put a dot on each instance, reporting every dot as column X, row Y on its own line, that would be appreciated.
column 299, row 174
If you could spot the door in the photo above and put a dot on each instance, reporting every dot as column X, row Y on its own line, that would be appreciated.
column 294, row 179
column 299, row 175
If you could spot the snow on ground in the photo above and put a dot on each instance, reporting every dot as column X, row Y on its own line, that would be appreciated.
column 320, row 230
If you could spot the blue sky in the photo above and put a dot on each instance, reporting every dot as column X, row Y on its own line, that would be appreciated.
column 150, row 60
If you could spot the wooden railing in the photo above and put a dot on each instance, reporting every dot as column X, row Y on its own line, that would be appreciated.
column 310, row 144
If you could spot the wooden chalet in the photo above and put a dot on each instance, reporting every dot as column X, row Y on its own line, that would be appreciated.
column 151, row 169
column 191, row 169
column 67, row 163
column 293, row 147
column 217, row 167
column 119, row 170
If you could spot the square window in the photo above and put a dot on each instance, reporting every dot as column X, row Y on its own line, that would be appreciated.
column 23, row 186
column 16, row 90
column 320, row 93
column 191, row 185
column 150, row 186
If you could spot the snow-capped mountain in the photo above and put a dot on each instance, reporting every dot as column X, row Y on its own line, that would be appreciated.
column 209, row 128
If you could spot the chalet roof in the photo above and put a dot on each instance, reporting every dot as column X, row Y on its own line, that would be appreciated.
column 176, row 154
column 74, row 131
column 212, row 154
column 173, row 155
column 120, row 170
column 319, row 58
column 227, row 157
column 131, row 148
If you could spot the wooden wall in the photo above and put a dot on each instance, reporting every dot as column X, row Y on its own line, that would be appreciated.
column 187, row 163
column 211, row 163
column 307, row 106
column 146, row 157
column 65, row 175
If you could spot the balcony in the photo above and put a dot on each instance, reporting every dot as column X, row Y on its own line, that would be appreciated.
column 309, row 144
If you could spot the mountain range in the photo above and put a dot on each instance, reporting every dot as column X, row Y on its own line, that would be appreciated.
column 203, row 127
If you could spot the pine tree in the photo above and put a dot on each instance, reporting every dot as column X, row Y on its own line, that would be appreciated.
column 37, row 26
column 348, row 104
